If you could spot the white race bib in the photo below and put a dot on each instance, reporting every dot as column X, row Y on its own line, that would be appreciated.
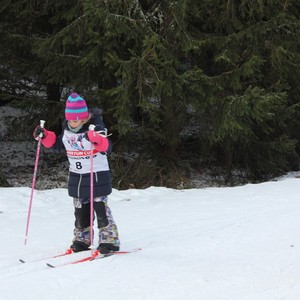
column 79, row 152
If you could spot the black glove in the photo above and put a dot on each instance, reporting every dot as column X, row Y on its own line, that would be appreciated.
column 39, row 132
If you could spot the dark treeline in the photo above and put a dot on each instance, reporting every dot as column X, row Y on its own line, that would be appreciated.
column 211, row 82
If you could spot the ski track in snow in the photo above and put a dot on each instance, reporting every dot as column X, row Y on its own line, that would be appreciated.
column 237, row 243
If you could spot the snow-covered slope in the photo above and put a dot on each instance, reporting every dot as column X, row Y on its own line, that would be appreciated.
column 239, row 243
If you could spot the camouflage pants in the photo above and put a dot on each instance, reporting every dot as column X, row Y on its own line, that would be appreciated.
column 108, row 231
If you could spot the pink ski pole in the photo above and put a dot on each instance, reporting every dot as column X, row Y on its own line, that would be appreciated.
column 92, row 127
column 42, row 122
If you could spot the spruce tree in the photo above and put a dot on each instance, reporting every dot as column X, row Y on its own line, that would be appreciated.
column 213, row 79
column 23, row 25
column 249, row 50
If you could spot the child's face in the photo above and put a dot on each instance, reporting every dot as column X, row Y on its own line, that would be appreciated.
column 75, row 123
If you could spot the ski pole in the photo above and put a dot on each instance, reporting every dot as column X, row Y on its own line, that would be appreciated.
column 92, row 127
column 42, row 122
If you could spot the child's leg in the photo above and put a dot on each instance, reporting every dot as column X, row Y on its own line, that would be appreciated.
column 108, row 231
column 81, row 240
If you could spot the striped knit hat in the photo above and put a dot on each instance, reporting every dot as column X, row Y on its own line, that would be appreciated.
column 76, row 108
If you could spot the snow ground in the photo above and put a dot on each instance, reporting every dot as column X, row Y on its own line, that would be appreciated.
column 230, row 243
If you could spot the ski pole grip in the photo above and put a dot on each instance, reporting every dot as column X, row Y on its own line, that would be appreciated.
column 92, row 127
column 42, row 123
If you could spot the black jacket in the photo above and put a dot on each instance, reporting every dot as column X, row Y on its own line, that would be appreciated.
column 79, row 184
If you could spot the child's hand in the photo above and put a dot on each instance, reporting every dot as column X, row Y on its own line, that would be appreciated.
column 93, row 137
column 39, row 132
column 100, row 142
column 48, row 137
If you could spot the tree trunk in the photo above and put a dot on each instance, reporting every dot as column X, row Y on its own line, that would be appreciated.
column 3, row 181
column 53, row 92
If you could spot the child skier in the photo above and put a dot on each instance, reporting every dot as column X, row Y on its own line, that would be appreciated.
column 76, row 139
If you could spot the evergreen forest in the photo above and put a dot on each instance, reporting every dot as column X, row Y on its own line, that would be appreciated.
column 185, row 86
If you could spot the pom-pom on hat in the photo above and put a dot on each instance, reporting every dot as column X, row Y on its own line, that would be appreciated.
column 76, row 108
